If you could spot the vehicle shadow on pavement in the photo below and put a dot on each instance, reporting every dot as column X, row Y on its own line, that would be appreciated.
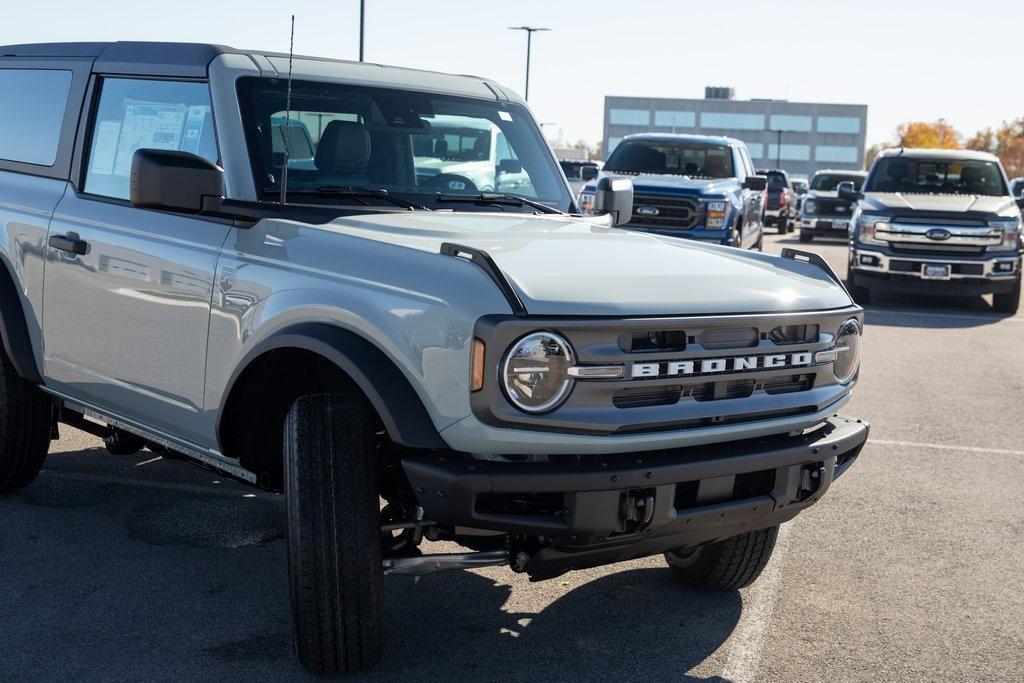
column 106, row 581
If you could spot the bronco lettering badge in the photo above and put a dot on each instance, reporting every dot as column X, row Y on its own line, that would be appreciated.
column 708, row 366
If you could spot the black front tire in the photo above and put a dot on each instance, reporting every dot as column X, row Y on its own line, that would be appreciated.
column 26, row 423
column 726, row 565
column 334, row 546
column 806, row 236
column 1008, row 302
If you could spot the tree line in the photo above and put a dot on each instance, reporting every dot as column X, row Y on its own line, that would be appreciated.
column 1006, row 141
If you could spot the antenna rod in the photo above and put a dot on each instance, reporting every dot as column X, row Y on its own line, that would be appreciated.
column 287, row 118
column 362, row 26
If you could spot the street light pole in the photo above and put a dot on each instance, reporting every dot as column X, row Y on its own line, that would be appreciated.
column 362, row 26
column 530, row 30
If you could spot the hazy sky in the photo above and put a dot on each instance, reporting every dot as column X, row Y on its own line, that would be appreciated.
column 905, row 59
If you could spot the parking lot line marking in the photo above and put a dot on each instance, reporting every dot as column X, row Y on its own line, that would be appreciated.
column 748, row 639
column 954, row 316
column 162, row 485
column 945, row 447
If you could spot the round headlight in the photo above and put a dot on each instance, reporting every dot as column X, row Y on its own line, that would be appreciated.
column 536, row 372
column 810, row 206
column 847, row 360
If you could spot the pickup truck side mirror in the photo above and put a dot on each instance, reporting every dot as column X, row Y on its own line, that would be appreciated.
column 755, row 182
column 614, row 196
column 588, row 173
column 169, row 180
column 1020, row 199
column 847, row 191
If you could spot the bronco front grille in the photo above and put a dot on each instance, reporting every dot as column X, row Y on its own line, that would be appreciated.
column 686, row 372
column 665, row 212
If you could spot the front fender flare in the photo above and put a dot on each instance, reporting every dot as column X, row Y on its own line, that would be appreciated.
column 389, row 391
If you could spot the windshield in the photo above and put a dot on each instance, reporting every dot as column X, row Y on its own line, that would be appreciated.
column 667, row 157
column 828, row 182
column 416, row 146
column 936, row 176
column 776, row 181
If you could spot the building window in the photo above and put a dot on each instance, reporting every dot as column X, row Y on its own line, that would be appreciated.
column 838, row 124
column 629, row 117
column 848, row 155
column 711, row 119
column 790, row 123
column 789, row 152
column 32, row 113
column 675, row 119
column 756, row 150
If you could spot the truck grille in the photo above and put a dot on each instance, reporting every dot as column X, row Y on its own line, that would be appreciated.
column 681, row 373
column 665, row 212
column 935, row 238
column 829, row 207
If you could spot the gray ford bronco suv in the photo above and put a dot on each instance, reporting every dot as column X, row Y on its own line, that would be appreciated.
column 404, row 356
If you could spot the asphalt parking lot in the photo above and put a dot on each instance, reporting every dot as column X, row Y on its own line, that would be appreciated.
column 144, row 569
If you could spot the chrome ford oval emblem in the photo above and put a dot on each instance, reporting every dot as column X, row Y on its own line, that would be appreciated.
column 647, row 211
column 938, row 234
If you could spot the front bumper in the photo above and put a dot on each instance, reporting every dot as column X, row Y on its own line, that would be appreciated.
column 887, row 271
column 602, row 509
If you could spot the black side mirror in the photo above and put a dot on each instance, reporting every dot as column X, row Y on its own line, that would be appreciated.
column 510, row 166
column 169, row 180
column 755, row 182
column 588, row 173
column 1020, row 199
column 847, row 191
column 614, row 196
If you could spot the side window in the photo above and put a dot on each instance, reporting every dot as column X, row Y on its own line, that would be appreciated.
column 32, row 104
column 143, row 114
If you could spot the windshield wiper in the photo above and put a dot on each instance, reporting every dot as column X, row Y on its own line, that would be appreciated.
column 495, row 199
column 359, row 193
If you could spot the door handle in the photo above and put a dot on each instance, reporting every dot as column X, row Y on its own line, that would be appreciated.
column 69, row 243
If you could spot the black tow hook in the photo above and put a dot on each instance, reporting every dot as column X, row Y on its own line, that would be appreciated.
column 636, row 509
column 811, row 476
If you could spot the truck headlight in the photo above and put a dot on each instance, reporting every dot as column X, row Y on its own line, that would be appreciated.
column 810, row 206
column 716, row 214
column 1011, row 230
column 866, row 225
column 536, row 372
column 587, row 202
column 847, row 360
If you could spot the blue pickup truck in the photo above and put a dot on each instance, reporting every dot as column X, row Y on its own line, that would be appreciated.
column 692, row 186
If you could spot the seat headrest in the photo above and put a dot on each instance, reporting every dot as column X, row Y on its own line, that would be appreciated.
column 344, row 148
column 714, row 166
column 969, row 174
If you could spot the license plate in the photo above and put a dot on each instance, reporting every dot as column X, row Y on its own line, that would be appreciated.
column 935, row 271
column 840, row 225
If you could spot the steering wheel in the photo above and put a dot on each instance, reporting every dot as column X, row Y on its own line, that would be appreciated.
column 451, row 181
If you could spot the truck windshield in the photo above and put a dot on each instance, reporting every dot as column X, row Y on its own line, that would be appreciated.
column 416, row 146
column 936, row 176
column 669, row 157
column 828, row 182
